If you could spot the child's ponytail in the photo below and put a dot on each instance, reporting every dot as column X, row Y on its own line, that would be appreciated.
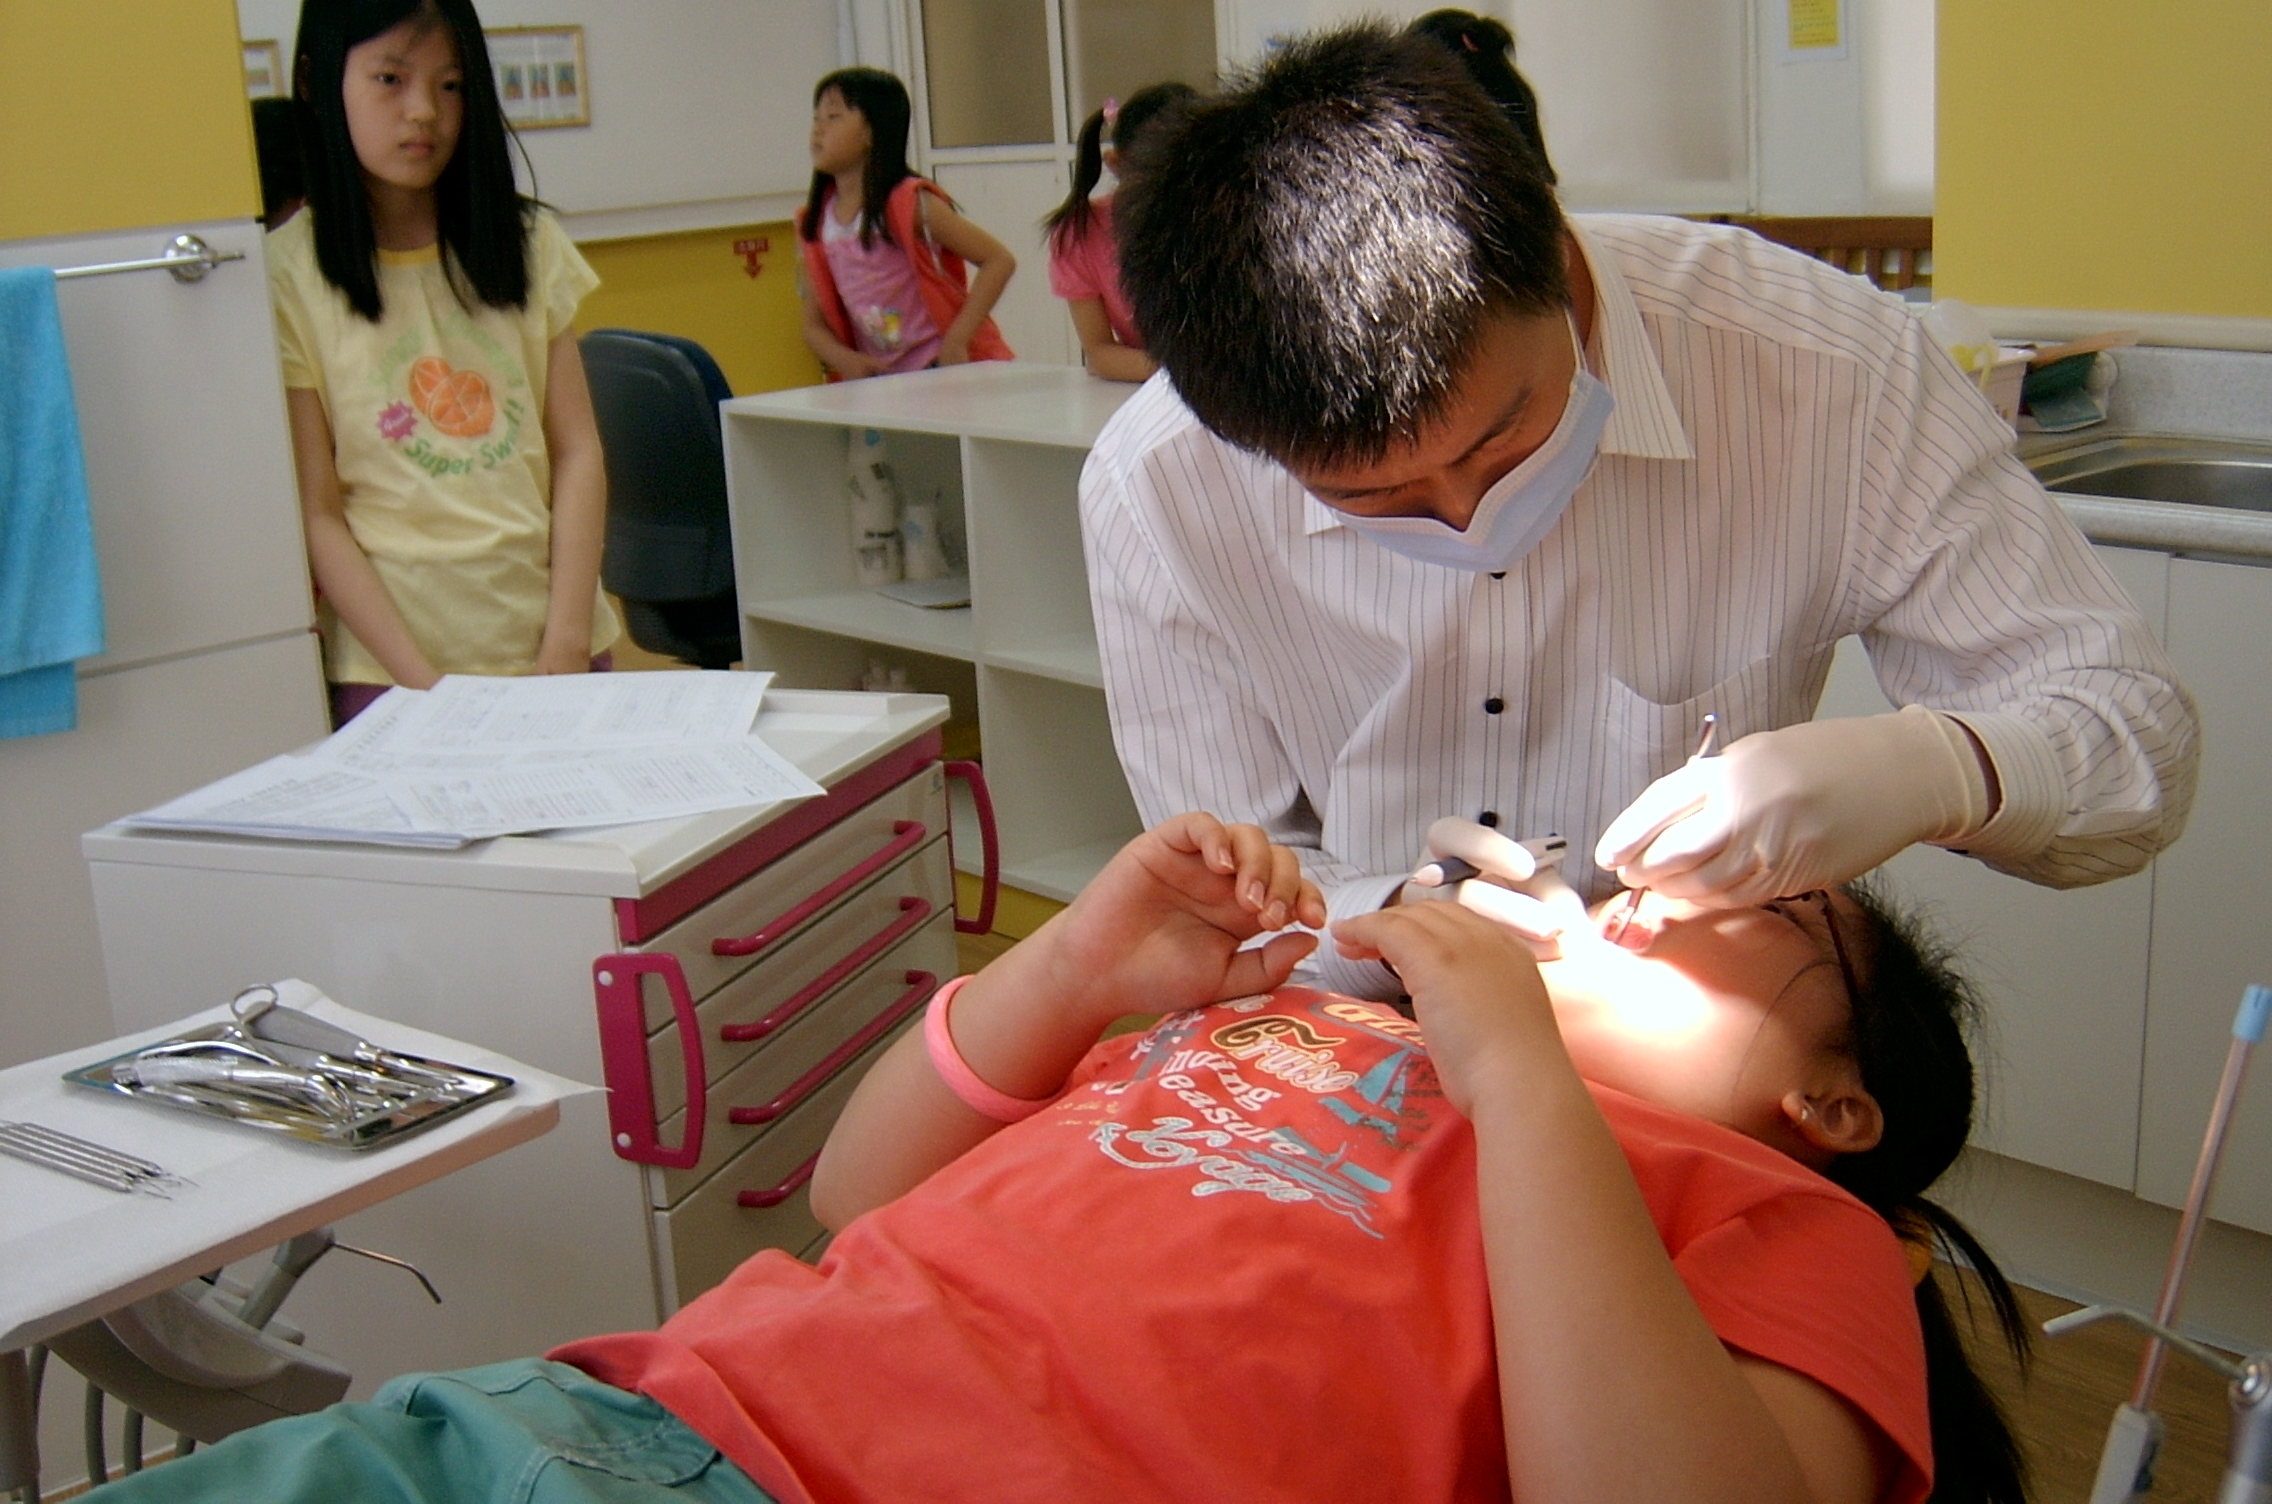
column 1975, row 1455
column 1069, row 221
column 1909, row 1028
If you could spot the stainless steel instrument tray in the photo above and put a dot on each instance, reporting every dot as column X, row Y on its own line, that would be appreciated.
column 464, row 1088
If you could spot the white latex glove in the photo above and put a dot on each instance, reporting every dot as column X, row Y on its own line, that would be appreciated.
column 1533, row 901
column 1808, row 806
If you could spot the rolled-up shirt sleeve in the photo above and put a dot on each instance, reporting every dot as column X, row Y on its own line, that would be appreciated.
column 1976, row 596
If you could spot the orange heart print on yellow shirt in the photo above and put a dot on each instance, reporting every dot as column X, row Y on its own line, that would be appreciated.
column 455, row 402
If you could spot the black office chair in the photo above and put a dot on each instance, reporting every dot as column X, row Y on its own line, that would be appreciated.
column 669, row 548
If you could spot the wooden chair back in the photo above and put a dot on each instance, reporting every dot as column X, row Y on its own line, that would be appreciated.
column 1887, row 249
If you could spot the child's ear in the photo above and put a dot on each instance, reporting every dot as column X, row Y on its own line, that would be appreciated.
column 1843, row 1120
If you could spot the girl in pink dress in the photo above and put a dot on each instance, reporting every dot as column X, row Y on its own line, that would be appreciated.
column 1084, row 254
column 885, row 253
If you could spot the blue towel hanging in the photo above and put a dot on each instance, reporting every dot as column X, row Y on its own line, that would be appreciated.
column 51, row 607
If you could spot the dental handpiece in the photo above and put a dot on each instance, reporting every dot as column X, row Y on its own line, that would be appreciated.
column 1445, row 871
column 1614, row 931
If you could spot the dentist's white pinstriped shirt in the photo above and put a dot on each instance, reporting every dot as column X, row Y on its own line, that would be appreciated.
column 1791, row 461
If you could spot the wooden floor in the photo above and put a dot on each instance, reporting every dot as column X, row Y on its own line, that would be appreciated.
column 2062, row 1409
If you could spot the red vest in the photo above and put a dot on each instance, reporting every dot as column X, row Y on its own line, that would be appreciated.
column 940, row 273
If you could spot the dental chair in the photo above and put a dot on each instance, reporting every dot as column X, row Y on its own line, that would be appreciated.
column 205, row 1360
column 669, row 555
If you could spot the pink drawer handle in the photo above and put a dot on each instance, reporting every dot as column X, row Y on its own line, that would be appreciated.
column 624, row 1063
column 912, row 910
column 921, row 984
column 989, row 845
column 906, row 835
column 759, row 1200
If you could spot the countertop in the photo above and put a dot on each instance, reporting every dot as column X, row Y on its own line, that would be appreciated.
column 2217, row 394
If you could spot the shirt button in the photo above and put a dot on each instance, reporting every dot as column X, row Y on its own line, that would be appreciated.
column 1489, row 817
column 1494, row 705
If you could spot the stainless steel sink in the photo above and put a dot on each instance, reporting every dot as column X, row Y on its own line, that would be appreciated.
column 2226, row 473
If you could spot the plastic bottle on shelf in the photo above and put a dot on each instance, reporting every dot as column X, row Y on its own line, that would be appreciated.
column 920, row 550
column 874, row 510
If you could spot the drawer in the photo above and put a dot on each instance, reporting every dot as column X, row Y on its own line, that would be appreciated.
column 780, row 899
column 701, row 1240
column 770, row 998
column 782, row 1075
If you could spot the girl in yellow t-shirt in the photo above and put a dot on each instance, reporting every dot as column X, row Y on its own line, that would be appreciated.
column 449, row 464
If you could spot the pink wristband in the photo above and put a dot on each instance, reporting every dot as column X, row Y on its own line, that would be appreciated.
column 956, row 1072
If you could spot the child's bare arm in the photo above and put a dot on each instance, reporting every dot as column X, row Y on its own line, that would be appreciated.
column 1107, row 356
column 991, row 265
column 579, row 511
column 1599, row 1343
column 343, row 572
column 1157, row 931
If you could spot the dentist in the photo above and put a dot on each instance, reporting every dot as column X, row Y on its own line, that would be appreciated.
column 1447, row 504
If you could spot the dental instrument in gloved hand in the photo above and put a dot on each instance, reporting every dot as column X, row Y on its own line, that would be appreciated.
column 1442, row 869
column 1514, row 882
column 1808, row 806
column 1614, row 931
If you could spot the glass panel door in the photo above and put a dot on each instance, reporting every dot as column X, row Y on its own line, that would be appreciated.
column 986, row 64
column 1115, row 47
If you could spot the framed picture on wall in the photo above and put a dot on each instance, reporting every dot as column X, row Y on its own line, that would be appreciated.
column 264, row 71
column 540, row 75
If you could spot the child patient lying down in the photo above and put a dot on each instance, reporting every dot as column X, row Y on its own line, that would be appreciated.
column 1630, row 1224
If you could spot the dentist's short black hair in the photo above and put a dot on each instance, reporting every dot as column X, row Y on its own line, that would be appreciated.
column 1312, row 253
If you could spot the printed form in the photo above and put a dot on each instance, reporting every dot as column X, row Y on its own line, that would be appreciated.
column 473, row 758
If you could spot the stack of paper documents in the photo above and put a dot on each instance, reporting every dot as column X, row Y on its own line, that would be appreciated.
column 472, row 758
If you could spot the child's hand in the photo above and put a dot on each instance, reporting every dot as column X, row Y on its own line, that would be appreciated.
column 954, row 350
column 1475, row 990
column 1159, row 930
column 856, row 365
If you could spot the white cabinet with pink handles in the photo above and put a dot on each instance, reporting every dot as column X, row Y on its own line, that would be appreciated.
column 726, row 978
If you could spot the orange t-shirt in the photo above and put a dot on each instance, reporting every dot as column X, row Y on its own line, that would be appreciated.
column 1238, row 1258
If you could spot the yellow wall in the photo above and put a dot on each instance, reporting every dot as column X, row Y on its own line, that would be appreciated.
column 698, row 286
column 116, row 114
column 2106, row 154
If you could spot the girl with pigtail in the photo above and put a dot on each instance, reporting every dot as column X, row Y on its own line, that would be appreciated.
column 1084, row 256
column 894, row 278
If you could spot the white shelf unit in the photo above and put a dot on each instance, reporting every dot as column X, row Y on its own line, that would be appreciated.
column 1000, row 447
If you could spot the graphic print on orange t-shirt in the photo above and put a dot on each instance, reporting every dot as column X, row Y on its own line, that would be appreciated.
column 1229, row 1071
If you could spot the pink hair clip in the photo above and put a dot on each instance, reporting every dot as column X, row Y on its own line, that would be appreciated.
column 1111, row 112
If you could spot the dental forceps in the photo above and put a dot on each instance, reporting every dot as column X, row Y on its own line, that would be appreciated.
column 304, row 1040
column 1614, row 932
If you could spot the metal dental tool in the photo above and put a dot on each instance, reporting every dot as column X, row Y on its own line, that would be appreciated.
column 1445, row 871
column 275, row 1067
column 263, row 1019
column 85, row 1160
column 1614, row 931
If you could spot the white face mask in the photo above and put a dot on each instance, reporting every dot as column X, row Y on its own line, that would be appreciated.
column 1522, row 507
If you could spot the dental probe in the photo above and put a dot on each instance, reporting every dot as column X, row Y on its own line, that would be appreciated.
column 1624, row 918
column 1444, row 871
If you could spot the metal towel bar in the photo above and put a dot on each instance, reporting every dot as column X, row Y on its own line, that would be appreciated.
column 186, row 256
